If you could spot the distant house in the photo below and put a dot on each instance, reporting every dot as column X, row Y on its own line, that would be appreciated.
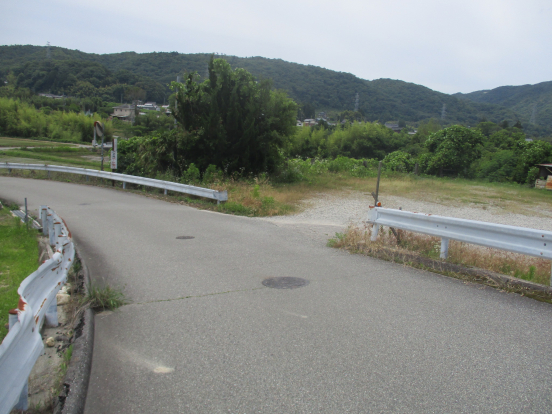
column 52, row 96
column 310, row 122
column 124, row 112
column 150, row 106
column 544, row 170
column 394, row 125
column 299, row 123
column 544, row 179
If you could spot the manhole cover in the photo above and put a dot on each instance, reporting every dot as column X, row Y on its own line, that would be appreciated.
column 285, row 282
column 185, row 237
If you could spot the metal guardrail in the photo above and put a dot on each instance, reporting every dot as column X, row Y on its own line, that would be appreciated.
column 522, row 240
column 150, row 182
column 37, row 303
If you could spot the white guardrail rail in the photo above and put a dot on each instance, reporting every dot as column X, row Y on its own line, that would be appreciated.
column 37, row 303
column 150, row 182
column 511, row 238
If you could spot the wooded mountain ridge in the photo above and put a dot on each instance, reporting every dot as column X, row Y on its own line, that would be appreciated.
column 109, row 75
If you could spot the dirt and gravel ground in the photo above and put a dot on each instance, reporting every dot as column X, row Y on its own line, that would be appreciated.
column 343, row 209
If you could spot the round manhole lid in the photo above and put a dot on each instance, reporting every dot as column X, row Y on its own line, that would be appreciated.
column 184, row 237
column 285, row 282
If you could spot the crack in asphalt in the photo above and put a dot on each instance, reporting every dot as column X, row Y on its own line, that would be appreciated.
column 195, row 296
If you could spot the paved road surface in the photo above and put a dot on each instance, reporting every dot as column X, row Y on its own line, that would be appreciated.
column 205, row 336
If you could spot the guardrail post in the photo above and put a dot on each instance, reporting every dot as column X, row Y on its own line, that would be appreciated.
column 444, row 248
column 57, row 233
column 165, row 191
column 51, row 233
column 60, row 242
column 124, row 185
column 13, row 317
column 44, row 219
column 375, row 229
column 48, row 174
column 51, row 315
column 87, row 178
column 23, row 403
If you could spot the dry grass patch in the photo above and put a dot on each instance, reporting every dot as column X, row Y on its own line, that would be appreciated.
column 533, row 269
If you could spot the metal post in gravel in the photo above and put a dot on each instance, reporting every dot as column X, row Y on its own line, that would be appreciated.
column 377, row 184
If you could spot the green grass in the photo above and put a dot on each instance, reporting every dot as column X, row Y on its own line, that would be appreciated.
column 18, row 259
column 22, row 142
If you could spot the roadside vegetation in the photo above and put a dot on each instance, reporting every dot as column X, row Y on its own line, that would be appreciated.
column 401, row 246
column 232, row 132
column 18, row 259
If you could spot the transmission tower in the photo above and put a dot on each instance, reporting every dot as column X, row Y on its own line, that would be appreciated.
column 48, row 54
column 356, row 102
column 533, row 119
column 443, row 112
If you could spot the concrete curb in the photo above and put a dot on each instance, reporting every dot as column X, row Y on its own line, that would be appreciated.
column 440, row 266
column 78, row 373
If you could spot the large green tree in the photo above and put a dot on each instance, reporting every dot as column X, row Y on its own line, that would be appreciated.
column 232, row 120
column 452, row 150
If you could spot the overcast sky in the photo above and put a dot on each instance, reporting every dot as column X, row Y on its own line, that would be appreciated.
column 447, row 45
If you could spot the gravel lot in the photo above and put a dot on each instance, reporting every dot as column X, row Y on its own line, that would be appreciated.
column 352, row 208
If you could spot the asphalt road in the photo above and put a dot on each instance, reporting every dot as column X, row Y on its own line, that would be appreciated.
column 203, row 334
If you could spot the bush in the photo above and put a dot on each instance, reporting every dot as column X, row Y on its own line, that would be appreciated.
column 398, row 161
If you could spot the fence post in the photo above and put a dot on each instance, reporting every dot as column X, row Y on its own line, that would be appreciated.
column 444, row 247
column 44, row 219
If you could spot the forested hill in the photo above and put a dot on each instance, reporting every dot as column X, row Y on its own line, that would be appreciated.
column 310, row 86
column 532, row 102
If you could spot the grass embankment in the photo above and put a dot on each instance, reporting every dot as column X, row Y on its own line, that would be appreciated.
column 55, row 155
column 18, row 259
column 35, row 142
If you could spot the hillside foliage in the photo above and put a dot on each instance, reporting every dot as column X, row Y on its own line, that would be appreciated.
column 315, row 89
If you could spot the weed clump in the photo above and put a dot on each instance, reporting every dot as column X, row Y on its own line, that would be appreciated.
column 104, row 298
